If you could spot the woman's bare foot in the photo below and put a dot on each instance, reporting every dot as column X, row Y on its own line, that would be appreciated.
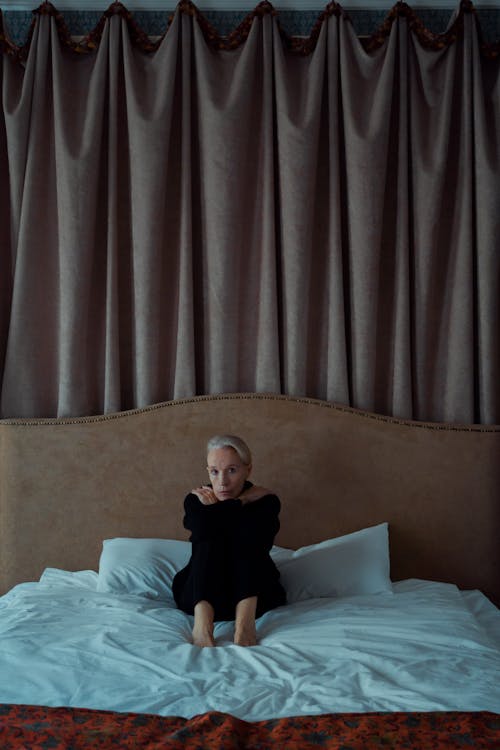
column 203, row 628
column 203, row 638
column 245, row 633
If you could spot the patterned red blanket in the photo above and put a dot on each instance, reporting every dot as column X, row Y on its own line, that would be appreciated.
column 41, row 728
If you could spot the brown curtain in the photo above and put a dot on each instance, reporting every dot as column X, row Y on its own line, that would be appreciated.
column 316, row 217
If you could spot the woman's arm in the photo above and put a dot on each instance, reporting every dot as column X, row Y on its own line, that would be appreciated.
column 252, row 493
column 259, row 520
column 255, row 514
column 208, row 520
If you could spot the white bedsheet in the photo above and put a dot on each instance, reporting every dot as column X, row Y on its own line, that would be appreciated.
column 425, row 647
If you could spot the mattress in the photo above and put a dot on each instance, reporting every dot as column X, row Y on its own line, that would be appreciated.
column 425, row 646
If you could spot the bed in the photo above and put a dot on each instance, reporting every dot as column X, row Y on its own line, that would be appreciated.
column 388, row 550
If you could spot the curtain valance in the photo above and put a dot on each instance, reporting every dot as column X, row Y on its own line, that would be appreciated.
column 301, row 45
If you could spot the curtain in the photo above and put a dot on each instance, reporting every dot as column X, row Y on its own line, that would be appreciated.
column 317, row 217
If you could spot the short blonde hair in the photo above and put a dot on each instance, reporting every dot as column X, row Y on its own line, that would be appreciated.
column 231, row 441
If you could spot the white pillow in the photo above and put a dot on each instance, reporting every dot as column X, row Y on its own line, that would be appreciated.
column 357, row 563
column 143, row 567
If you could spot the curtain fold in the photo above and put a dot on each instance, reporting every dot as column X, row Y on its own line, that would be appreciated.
column 315, row 217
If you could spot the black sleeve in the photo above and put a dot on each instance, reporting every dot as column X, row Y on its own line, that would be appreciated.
column 210, row 521
column 260, row 520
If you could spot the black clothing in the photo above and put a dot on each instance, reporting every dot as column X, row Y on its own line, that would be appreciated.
column 230, row 556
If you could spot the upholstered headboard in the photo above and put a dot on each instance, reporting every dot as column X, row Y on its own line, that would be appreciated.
column 67, row 484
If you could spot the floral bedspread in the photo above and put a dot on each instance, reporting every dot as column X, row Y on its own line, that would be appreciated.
column 42, row 728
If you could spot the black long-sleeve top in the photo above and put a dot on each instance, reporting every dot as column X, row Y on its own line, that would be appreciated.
column 256, row 521
column 230, row 559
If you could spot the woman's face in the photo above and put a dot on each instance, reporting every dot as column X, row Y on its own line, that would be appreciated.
column 227, row 472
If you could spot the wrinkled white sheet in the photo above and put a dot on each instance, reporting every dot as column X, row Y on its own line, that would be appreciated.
column 426, row 647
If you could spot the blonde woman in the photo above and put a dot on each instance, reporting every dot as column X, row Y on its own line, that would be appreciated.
column 230, row 575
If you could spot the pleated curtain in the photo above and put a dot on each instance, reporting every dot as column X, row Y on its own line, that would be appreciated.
column 315, row 217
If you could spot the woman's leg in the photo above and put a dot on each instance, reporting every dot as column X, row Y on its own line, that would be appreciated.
column 245, row 633
column 203, row 628
column 256, row 589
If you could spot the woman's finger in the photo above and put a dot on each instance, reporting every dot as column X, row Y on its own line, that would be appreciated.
column 205, row 495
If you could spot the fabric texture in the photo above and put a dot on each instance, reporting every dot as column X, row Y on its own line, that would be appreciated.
column 349, row 565
column 66, row 644
column 141, row 567
column 256, row 213
column 79, row 729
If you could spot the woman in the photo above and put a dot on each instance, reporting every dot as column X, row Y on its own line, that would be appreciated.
column 233, row 524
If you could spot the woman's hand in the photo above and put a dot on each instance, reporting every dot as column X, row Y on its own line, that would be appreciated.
column 254, row 493
column 205, row 495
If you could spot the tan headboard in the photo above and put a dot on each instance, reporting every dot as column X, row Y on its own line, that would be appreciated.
column 65, row 485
